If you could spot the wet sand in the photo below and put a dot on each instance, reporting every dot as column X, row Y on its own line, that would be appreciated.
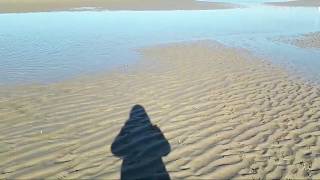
column 19, row 6
column 225, row 113
column 297, row 3
column 311, row 40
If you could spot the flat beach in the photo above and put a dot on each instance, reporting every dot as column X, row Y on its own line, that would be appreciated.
column 224, row 112
column 20, row 6
column 310, row 40
column 298, row 3
column 186, row 108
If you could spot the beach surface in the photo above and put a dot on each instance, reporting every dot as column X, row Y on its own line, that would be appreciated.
column 224, row 112
column 20, row 6
column 297, row 3
column 310, row 40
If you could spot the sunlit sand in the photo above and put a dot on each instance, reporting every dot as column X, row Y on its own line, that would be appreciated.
column 195, row 109
column 225, row 114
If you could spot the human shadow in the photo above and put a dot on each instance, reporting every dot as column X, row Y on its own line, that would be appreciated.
column 141, row 145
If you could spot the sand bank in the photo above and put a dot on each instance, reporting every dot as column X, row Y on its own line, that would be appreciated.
column 311, row 40
column 225, row 114
column 17, row 6
column 297, row 3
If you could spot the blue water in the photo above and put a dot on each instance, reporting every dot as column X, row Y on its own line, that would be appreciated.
column 49, row 47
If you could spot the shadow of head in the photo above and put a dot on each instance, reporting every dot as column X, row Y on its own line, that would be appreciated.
column 141, row 145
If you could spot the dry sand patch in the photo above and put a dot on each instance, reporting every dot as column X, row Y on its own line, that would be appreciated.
column 224, row 112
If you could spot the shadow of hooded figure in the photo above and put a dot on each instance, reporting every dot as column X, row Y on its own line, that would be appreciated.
column 141, row 146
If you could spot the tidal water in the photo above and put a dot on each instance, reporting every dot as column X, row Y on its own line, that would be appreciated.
column 53, row 46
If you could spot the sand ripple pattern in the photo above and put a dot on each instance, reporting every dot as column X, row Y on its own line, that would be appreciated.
column 310, row 40
column 225, row 114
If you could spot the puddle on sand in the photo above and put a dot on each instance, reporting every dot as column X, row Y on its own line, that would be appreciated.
column 48, row 47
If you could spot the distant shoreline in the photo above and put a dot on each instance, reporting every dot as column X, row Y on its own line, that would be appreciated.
column 297, row 3
column 24, row 6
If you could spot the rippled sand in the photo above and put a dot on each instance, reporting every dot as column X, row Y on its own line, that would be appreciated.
column 225, row 114
column 303, row 3
column 311, row 40
column 17, row 6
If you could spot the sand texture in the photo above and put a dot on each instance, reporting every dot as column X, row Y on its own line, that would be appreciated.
column 311, row 40
column 211, row 112
column 17, row 6
column 297, row 3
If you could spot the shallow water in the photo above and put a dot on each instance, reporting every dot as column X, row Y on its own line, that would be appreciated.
column 48, row 47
